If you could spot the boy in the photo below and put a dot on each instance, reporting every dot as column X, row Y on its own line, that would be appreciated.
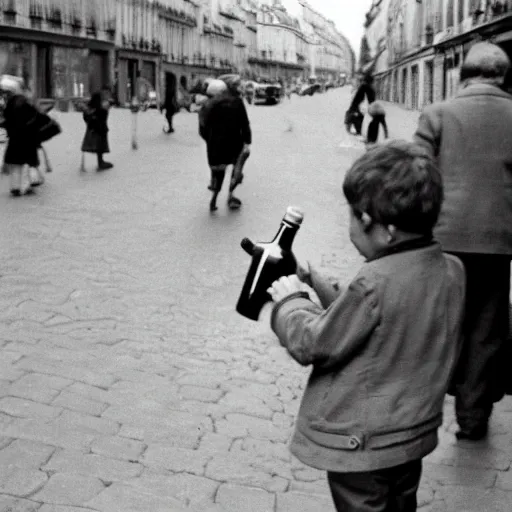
column 378, row 115
column 384, row 347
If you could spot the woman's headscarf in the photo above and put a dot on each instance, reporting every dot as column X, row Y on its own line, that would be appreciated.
column 12, row 84
column 216, row 87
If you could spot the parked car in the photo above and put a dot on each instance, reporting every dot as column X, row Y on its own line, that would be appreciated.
column 269, row 94
column 310, row 89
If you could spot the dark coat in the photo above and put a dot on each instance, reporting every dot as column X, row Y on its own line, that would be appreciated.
column 22, row 127
column 225, row 126
column 470, row 137
column 365, row 90
column 96, row 135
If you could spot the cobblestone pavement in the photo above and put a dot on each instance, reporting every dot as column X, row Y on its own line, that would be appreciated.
column 127, row 381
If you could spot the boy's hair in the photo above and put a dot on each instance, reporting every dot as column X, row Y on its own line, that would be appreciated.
column 396, row 183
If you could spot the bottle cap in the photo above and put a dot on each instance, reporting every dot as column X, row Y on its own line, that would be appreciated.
column 294, row 215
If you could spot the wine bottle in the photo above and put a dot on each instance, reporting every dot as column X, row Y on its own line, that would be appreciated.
column 270, row 261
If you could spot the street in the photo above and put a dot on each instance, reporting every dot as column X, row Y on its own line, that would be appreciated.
column 128, row 383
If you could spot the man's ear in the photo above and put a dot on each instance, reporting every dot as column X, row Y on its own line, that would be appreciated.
column 391, row 233
column 367, row 221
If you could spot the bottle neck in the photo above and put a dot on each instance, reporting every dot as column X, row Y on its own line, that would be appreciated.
column 285, row 235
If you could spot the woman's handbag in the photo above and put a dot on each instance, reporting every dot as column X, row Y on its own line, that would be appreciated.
column 48, row 130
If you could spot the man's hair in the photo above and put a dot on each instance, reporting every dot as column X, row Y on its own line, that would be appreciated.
column 485, row 61
column 396, row 183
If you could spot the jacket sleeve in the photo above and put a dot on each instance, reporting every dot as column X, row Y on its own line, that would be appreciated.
column 326, row 289
column 204, row 116
column 428, row 133
column 245, row 124
column 331, row 337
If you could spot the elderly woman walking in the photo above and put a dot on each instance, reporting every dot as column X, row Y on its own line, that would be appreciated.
column 20, row 122
column 225, row 127
column 470, row 138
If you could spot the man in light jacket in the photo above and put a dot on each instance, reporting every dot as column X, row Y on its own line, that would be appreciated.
column 470, row 137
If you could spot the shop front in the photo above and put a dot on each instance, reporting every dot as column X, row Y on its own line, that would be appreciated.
column 55, row 66
column 129, row 64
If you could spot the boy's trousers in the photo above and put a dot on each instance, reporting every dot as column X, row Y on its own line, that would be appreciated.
column 384, row 490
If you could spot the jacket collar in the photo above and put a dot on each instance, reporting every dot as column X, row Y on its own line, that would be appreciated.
column 483, row 90
column 408, row 245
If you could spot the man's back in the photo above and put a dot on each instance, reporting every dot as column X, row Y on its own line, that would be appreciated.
column 470, row 137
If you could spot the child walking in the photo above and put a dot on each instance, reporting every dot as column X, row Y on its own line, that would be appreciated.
column 383, row 348
column 96, row 135
column 378, row 115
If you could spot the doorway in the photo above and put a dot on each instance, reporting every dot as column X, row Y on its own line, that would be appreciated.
column 170, row 86
column 131, row 82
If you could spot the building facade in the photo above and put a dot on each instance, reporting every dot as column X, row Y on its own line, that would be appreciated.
column 67, row 49
column 330, row 52
column 64, row 49
column 426, row 43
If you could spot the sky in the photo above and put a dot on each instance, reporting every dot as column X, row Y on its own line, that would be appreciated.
column 348, row 15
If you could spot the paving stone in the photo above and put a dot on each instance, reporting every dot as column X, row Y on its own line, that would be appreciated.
column 10, row 373
column 294, row 501
column 197, row 492
column 124, row 498
column 88, row 424
column 23, row 453
column 200, row 394
column 460, row 475
column 79, row 403
column 50, row 432
column 22, row 408
column 5, row 387
column 91, row 392
column 243, row 402
column 10, row 504
column 232, row 469
column 37, row 393
column 234, row 498
column 262, row 448
column 258, row 428
column 20, row 482
column 64, row 508
column 474, row 455
column 210, row 381
column 504, row 481
column 215, row 443
column 72, row 462
column 319, row 487
column 67, row 371
column 466, row 499
column 40, row 380
column 118, row 448
column 5, row 441
column 176, row 459
column 73, row 490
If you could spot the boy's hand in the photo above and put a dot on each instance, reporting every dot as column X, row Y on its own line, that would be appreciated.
column 286, row 286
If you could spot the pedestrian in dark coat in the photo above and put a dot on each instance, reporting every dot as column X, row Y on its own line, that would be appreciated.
column 96, row 135
column 354, row 116
column 225, row 127
column 170, row 106
column 470, row 138
column 20, row 118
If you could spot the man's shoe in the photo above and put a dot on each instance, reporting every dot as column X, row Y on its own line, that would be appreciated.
column 104, row 166
column 15, row 192
column 475, row 434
